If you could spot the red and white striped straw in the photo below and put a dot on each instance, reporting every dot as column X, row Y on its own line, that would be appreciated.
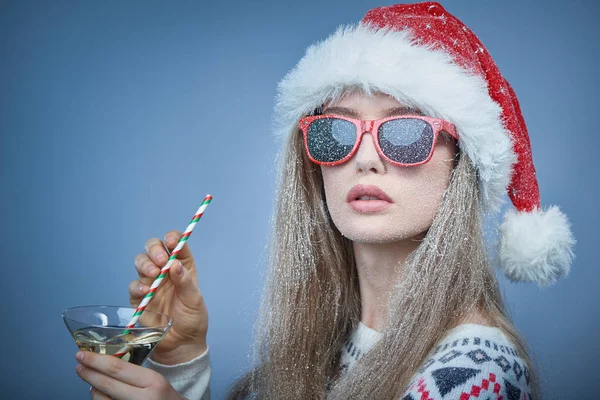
column 163, row 272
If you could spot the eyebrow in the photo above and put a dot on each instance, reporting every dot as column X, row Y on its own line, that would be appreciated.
column 349, row 112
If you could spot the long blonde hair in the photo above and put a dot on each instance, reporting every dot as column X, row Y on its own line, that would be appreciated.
column 311, row 301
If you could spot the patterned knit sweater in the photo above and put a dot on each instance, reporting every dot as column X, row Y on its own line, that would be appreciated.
column 471, row 362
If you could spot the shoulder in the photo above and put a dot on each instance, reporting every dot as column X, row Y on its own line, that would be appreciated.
column 470, row 360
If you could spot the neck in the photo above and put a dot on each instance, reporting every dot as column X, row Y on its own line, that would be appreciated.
column 380, row 267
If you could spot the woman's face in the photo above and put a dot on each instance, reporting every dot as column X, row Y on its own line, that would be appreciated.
column 412, row 194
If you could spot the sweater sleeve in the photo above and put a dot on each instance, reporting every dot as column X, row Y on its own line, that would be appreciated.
column 472, row 367
column 190, row 379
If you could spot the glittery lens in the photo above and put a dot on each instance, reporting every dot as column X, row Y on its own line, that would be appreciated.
column 406, row 140
column 330, row 139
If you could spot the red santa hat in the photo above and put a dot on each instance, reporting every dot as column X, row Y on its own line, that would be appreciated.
column 426, row 58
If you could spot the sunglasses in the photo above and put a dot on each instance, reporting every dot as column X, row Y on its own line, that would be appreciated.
column 406, row 140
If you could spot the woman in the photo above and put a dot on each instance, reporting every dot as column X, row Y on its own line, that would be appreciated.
column 400, row 133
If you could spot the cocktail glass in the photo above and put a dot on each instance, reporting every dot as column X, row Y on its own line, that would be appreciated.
column 99, row 329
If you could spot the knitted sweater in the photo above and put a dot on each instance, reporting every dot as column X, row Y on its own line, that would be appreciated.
column 471, row 362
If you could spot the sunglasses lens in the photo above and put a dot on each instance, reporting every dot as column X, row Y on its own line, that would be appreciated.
column 406, row 140
column 330, row 139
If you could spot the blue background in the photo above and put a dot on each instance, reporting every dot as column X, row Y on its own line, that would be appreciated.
column 116, row 119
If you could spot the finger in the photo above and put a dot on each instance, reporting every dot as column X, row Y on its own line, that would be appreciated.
column 156, row 251
column 137, row 289
column 107, row 373
column 172, row 239
column 185, row 285
column 98, row 395
column 145, row 268
column 107, row 385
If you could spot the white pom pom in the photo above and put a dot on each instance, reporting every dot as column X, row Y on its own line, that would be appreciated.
column 536, row 246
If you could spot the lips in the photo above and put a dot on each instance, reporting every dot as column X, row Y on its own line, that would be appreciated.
column 359, row 191
column 368, row 198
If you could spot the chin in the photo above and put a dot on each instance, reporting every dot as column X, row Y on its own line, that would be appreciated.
column 377, row 234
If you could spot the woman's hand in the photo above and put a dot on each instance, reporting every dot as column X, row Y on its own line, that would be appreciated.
column 178, row 296
column 112, row 377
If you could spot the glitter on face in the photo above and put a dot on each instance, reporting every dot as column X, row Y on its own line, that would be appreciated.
column 416, row 192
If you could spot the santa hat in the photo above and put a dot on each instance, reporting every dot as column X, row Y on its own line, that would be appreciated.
column 426, row 58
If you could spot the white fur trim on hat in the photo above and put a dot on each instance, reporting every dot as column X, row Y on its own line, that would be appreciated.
column 392, row 62
column 536, row 246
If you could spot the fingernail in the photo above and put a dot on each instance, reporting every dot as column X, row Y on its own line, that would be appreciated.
column 159, row 256
column 79, row 356
column 92, row 390
column 150, row 270
column 78, row 368
column 179, row 268
column 142, row 288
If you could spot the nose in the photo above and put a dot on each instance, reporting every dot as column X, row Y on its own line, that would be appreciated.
column 367, row 158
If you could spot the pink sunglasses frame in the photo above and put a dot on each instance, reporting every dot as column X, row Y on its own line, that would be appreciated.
column 372, row 127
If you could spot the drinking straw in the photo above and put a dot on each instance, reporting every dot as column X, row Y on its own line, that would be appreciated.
column 163, row 272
